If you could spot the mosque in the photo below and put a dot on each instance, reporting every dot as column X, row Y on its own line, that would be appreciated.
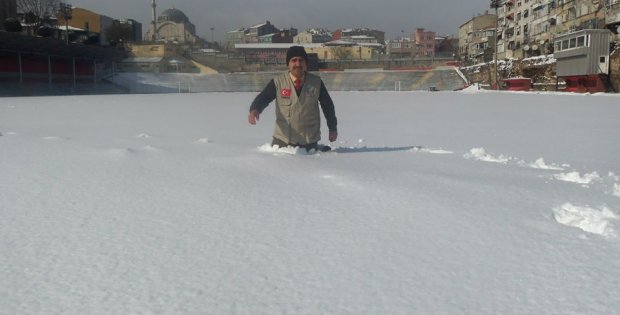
column 171, row 26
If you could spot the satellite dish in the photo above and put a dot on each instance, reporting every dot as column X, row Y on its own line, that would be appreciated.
column 526, row 47
column 534, row 47
column 542, row 42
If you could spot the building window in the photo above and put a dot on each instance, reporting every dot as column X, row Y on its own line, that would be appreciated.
column 581, row 41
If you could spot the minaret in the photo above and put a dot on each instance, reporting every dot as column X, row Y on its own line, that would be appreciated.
column 155, row 35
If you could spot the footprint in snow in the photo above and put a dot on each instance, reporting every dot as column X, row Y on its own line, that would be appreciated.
column 55, row 138
column 119, row 153
column 480, row 154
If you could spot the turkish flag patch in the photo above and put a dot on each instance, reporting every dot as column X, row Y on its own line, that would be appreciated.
column 286, row 93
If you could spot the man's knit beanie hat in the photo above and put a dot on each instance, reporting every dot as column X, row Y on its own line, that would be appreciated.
column 296, row 51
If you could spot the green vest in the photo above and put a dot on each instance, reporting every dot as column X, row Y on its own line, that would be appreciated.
column 298, row 118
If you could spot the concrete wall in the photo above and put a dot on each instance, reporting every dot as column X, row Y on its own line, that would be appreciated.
column 614, row 70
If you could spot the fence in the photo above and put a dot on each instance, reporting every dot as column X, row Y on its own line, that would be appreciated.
column 378, row 80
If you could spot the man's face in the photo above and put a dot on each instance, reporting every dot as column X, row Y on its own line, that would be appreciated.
column 297, row 66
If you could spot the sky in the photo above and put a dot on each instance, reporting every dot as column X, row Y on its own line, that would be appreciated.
column 391, row 16
column 456, row 202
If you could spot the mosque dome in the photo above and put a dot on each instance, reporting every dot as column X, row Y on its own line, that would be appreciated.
column 174, row 15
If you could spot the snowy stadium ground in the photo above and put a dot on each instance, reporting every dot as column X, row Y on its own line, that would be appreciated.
column 430, row 203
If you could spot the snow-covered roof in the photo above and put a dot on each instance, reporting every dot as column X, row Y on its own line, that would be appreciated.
column 71, row 28
column 143, row 60
column 268, row 35
column 176, row 62
column 370, row 44
column 276, row 45
column 60, row 27
column 318, row 31
column 258, row 25
column 360, row 37
column 243, row 29
column 339, row 42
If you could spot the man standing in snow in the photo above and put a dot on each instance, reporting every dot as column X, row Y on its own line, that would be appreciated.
column 297, row 94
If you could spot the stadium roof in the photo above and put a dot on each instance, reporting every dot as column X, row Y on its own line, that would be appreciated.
column 10, row 42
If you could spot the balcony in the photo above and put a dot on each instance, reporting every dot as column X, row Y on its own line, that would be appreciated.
column 612, row 17
column 537, row 5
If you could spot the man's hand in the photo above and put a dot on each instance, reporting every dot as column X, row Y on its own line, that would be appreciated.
column 333, row 135
column 253, row 116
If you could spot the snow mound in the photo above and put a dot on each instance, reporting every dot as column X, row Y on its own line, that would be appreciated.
column 540, row 164
column 474, row 88
column 575, row 177
column 431, row 151
column 592, row 220
column 480, row 154
column 268, row 148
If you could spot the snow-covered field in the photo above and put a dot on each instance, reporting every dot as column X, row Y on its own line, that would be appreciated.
column 430, row 203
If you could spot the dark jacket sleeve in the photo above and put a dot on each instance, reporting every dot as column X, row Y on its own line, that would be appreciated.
column 327, row 105
column 266, row 96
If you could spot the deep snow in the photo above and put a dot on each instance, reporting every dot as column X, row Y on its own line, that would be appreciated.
column 430, row 203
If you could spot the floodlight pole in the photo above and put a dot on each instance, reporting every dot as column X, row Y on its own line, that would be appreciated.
column 65, row 10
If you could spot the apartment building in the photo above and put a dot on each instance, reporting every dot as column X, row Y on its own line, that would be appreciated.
column 425, row 41
column 256, row 31
column 402, row 48
column 237, row 36
column 476, row 37
column 612, row 16
column 135, row 26
column 527, row 27
column 313, row 35
column 283, row 36
column 347, row 34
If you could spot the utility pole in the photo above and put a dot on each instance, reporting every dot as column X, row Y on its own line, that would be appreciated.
column 494, row 5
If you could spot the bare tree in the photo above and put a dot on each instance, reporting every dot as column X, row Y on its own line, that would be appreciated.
column 39, row 11
column 118, row 33
column 341, row 53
